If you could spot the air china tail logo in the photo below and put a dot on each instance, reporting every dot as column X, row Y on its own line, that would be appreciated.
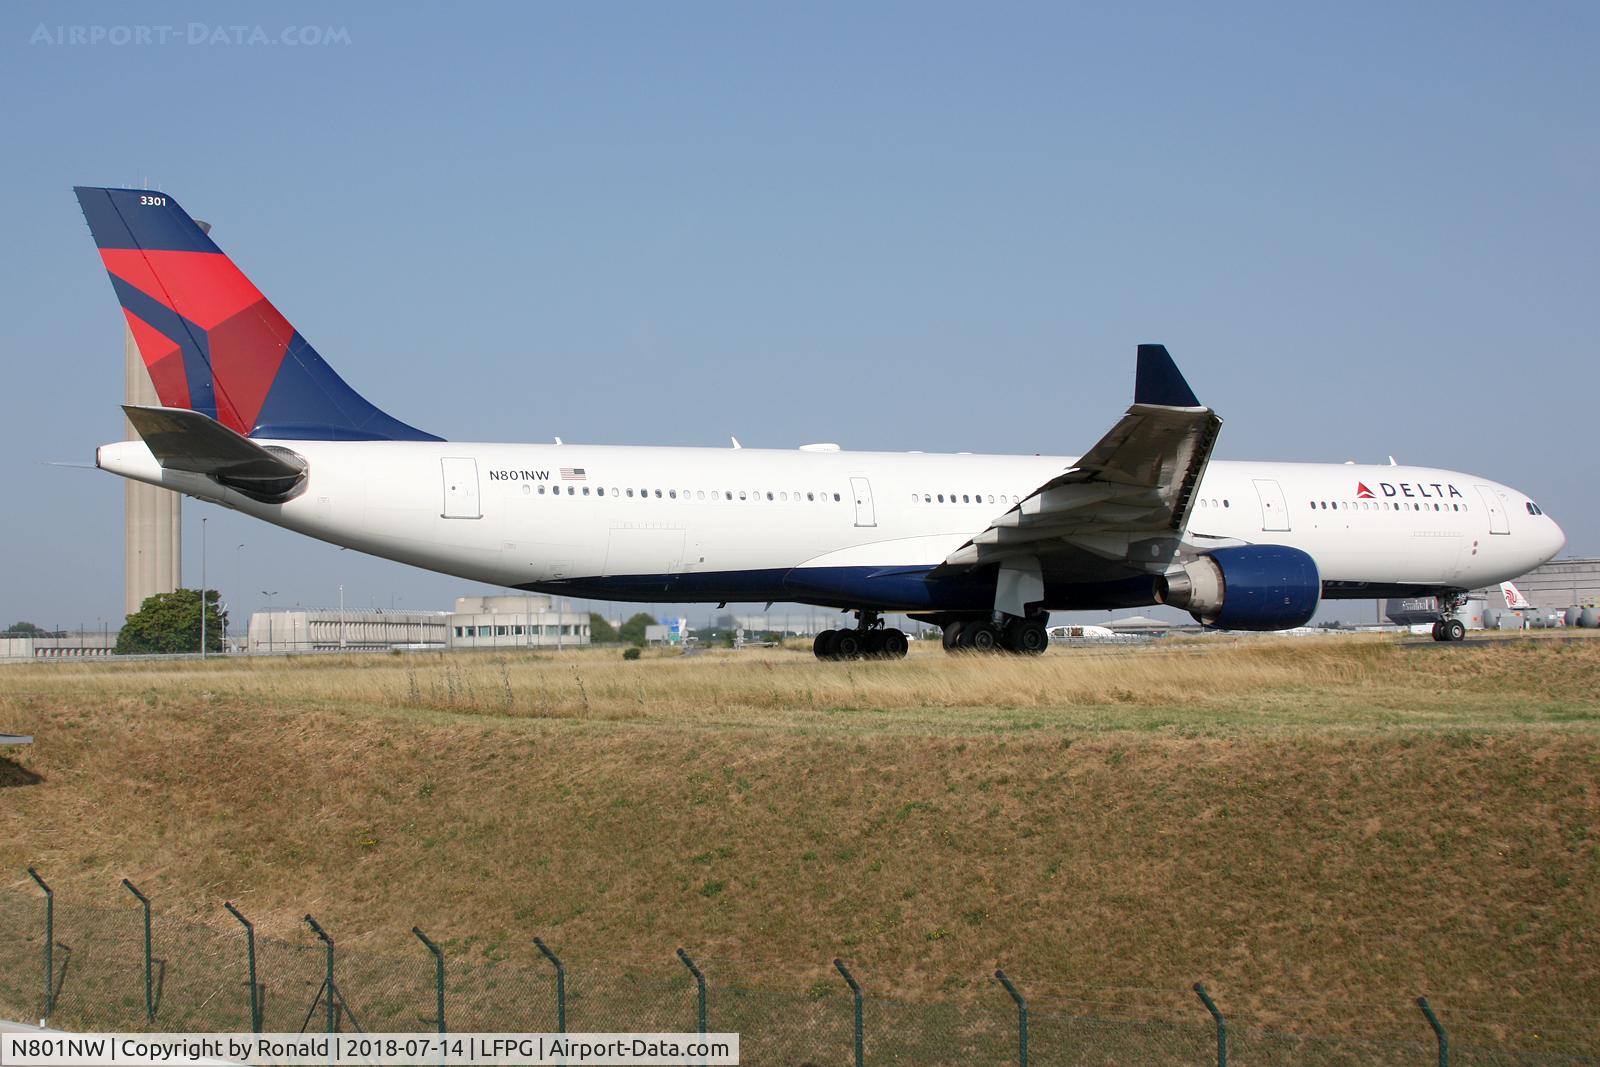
column 1425, row 490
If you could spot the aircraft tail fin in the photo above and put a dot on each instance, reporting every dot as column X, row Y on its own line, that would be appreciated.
column 1514, row 598
column 211, row 342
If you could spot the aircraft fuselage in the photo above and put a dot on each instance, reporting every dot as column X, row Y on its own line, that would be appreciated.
column 846, row 529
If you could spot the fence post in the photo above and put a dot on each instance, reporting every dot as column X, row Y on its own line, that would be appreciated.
column 438, row 975
column 1022, row 1018
column 561, row 986
column 327, row 981
column 1438, row 1031
column 700, row 982
column 149, row 985
column 250, row 949
column 49, row 945
column 1222, row 1024
column 855, row 991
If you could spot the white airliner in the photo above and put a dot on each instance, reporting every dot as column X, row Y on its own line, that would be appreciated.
column 253, row 419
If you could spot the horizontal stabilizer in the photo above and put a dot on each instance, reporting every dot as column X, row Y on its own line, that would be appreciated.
column 185, row 440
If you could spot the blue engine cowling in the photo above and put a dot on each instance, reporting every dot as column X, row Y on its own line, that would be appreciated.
column 1253, row 587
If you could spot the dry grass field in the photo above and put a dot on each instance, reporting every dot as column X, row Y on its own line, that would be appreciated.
column 1314, row 827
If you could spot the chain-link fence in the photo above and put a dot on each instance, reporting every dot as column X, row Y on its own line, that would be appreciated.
column 92, row 968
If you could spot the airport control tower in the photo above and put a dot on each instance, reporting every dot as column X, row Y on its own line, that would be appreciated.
column 153, row 545
column 153, row 525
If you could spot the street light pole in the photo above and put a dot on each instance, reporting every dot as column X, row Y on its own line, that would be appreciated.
column 269, row 594
column 202, row 587
column 238, row 583
column 341, row 615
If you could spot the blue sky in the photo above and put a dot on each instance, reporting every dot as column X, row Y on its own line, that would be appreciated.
column 1362, row 230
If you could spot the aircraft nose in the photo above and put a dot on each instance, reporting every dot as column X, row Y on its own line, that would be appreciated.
column 1556, row 540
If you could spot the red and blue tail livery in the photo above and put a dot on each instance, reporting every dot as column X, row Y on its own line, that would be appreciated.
column 211, row 341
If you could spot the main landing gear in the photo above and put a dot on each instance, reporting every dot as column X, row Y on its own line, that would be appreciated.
column 869, row 640
column 1450, row 628
column 1025, row 636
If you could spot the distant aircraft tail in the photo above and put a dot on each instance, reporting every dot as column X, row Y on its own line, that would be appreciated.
column 211, row 341
column 1514, row 598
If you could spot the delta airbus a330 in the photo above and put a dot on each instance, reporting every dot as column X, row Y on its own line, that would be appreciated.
column 252, row 418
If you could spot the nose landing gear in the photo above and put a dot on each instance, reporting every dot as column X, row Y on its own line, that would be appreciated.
column 1450, row 628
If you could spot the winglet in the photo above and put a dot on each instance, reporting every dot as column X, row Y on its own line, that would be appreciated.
column 1160, row 382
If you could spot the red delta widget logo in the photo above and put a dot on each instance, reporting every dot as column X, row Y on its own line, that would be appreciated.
column 1410, row 490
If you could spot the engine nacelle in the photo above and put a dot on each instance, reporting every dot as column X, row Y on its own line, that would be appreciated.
column 1253, row 587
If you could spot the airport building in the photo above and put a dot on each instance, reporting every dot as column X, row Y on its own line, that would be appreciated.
column 88, row 644
column 800, row 623
column 530, row 621
column 1553, row 589
column 351, row 630
column 1561, row 583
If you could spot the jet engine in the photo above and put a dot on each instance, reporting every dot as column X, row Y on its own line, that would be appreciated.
column 1253, row 587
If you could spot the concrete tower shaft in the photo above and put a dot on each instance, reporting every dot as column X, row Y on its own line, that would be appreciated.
column 153, row 517
column 153, row 533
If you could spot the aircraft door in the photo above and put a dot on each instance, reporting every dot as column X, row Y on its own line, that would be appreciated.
column 460, row 489
column 1274, row 511
column 866, row 515
column 1497, row 510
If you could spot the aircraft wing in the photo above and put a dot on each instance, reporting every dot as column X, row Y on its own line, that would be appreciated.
column 1126, row 500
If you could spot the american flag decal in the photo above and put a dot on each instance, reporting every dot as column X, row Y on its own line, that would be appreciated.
column 573, row 474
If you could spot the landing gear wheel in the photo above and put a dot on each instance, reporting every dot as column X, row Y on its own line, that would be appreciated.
column 1438, row 631
column 952, row 635
column 894, row 645
column 872, row 643
column 980, row 636
column 1028, row 637
column 847, row 645
column 1453, row 630
column 820, row 646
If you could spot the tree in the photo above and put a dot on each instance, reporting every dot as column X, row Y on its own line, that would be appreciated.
column 24, row 629
column 601, row 632
column 633, row 630
column 170, row 622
